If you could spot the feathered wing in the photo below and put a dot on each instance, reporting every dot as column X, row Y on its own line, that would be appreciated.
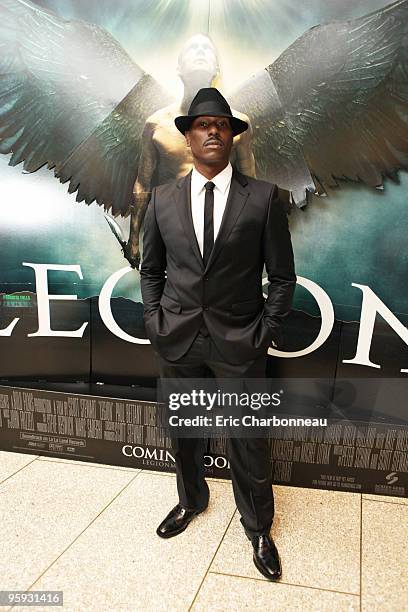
column 334, row 105
column 60, row 81
column 104, row 167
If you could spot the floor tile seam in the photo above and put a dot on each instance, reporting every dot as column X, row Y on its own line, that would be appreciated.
column 294, row 584
column 82, row 532
column 212, row 560
column 86, row 464
column 154, row 473
column 19, row 470
column 382, row 501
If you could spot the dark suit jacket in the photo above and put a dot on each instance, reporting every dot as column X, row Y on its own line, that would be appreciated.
column 227, row 293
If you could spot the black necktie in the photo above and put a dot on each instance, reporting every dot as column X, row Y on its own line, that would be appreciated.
column 208, row 221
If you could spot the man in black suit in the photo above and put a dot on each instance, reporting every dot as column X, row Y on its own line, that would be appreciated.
column 212, row 232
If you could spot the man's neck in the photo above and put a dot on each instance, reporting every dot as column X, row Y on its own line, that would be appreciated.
column 210, row 171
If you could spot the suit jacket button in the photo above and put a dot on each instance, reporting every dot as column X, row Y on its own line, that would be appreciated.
column 206, row 278
column 205, row 307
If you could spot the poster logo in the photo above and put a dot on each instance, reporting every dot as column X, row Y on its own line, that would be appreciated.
column 392, row 478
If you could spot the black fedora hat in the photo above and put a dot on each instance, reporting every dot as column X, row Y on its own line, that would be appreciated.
column 208, row 102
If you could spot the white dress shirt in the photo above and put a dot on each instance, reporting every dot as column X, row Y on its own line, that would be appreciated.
column 222, row 182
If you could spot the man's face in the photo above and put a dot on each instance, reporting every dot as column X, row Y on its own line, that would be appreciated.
column 210, row 139
column 198, row 54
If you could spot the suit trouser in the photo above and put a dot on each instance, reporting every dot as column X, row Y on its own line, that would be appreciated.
column 249, row 457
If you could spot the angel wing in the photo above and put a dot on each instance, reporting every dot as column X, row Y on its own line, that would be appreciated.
column 334, row 105
column 69, row 83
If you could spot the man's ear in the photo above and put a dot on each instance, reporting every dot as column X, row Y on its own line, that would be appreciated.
column 187, row 137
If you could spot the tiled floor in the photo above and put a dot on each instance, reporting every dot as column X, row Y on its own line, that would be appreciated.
column 89, row 530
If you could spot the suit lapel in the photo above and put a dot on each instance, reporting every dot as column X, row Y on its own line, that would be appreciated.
column 236, row 200
column 183, row 205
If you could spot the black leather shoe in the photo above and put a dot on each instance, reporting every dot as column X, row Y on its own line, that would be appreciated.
column 176, row 521
column 266, row 557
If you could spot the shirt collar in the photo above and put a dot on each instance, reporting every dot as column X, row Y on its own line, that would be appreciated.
column 221, row 180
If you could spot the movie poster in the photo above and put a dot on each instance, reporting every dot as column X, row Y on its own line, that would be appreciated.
column 88, row 95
